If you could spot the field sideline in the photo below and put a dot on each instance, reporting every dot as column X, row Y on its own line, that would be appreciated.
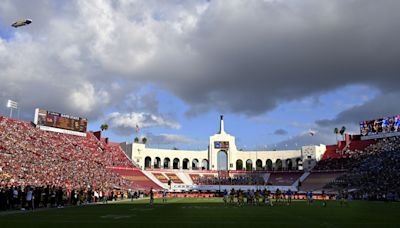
column 210, row 212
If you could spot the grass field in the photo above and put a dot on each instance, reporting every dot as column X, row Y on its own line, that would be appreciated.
column 210, row 212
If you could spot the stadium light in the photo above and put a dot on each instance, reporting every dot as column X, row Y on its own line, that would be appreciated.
column 12, row 105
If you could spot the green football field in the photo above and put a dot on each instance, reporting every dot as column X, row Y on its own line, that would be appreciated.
column 210, row 212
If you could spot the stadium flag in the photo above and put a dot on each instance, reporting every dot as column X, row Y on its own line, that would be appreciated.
column 12, row 104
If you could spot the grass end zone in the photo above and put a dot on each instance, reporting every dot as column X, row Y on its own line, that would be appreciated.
column 211, row 212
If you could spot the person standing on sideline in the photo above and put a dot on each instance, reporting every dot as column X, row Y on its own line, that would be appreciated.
column 151, row 197
column 60, row 198
column 14, row 198
column 164, row 195
column 29, row 198
column 289, row 194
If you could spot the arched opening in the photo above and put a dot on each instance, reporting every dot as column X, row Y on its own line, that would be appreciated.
column 222, row 162
column 249, row 165
column 259, row 164
column 185, row 163
column 175, row 164
column 204, row 164
column 268, row 165
column 289, row 164
column 195, row 164
column 166, row 163
column 299, row 164
column 147, row 162
column 157, row 163
column 278, row 164
column 239, row 164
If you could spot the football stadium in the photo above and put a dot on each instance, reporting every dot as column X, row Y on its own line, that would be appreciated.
column 53, row 163
column 200, row 113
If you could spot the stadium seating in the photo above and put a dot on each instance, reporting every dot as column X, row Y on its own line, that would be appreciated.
column 331, row 152
column 35, row 157
column 316, row 181
column 375, row 174
column 360, row 144
column 195, row 178
column 160, row 177
column 138, row 179
column 174, row 178
column 284, row 178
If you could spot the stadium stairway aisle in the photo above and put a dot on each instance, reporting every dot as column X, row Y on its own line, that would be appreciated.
column 140, row 180
column 317, row 180
column 185, row 178
column 157, row 177
column 284, row 178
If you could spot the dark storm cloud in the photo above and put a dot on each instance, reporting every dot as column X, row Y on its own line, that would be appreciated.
column 253, row 55
column 232, row 56
column 280, row 132
column 381, row 106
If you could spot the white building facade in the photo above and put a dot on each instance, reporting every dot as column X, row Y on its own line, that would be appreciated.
column 222, row 154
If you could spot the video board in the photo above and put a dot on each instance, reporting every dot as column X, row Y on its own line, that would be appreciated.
column 221, row 145
column 381, row 126
column 59, row 120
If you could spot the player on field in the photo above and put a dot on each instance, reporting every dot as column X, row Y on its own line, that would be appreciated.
column 278, row 197
column 257, row 196
column 250, row 196
column 151, row 197
column 263, row 195
column 323, row 198
column 225, row 197
column 232, row 197
column 289, row 195
column 164, row 196
column 268, row 198
column 310, row 196
column 240, row 196
column 247, row 195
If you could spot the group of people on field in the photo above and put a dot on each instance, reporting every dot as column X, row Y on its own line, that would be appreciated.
column 30, row 197
column 247, row 179
column 257, row 197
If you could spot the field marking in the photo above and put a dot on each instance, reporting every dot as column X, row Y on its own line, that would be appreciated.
column 141, row 209
column 111, row 216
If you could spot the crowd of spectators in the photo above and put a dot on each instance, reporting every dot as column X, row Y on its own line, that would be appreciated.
column 29, row 156
column 375, row 171
column 378, row 174
column 29, row 198
column 342, row 163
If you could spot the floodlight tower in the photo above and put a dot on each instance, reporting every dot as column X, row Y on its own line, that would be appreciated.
column 12, row 105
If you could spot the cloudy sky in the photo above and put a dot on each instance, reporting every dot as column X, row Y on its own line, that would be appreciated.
column 274, row 68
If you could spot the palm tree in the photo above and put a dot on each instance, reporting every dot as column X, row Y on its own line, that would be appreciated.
column 144, row 140
column 104, row 127
column 342, row 131
column 336, row 131
column 136, row 140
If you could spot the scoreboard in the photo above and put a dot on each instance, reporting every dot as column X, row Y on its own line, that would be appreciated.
column 221, row 145
column 61, row 121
